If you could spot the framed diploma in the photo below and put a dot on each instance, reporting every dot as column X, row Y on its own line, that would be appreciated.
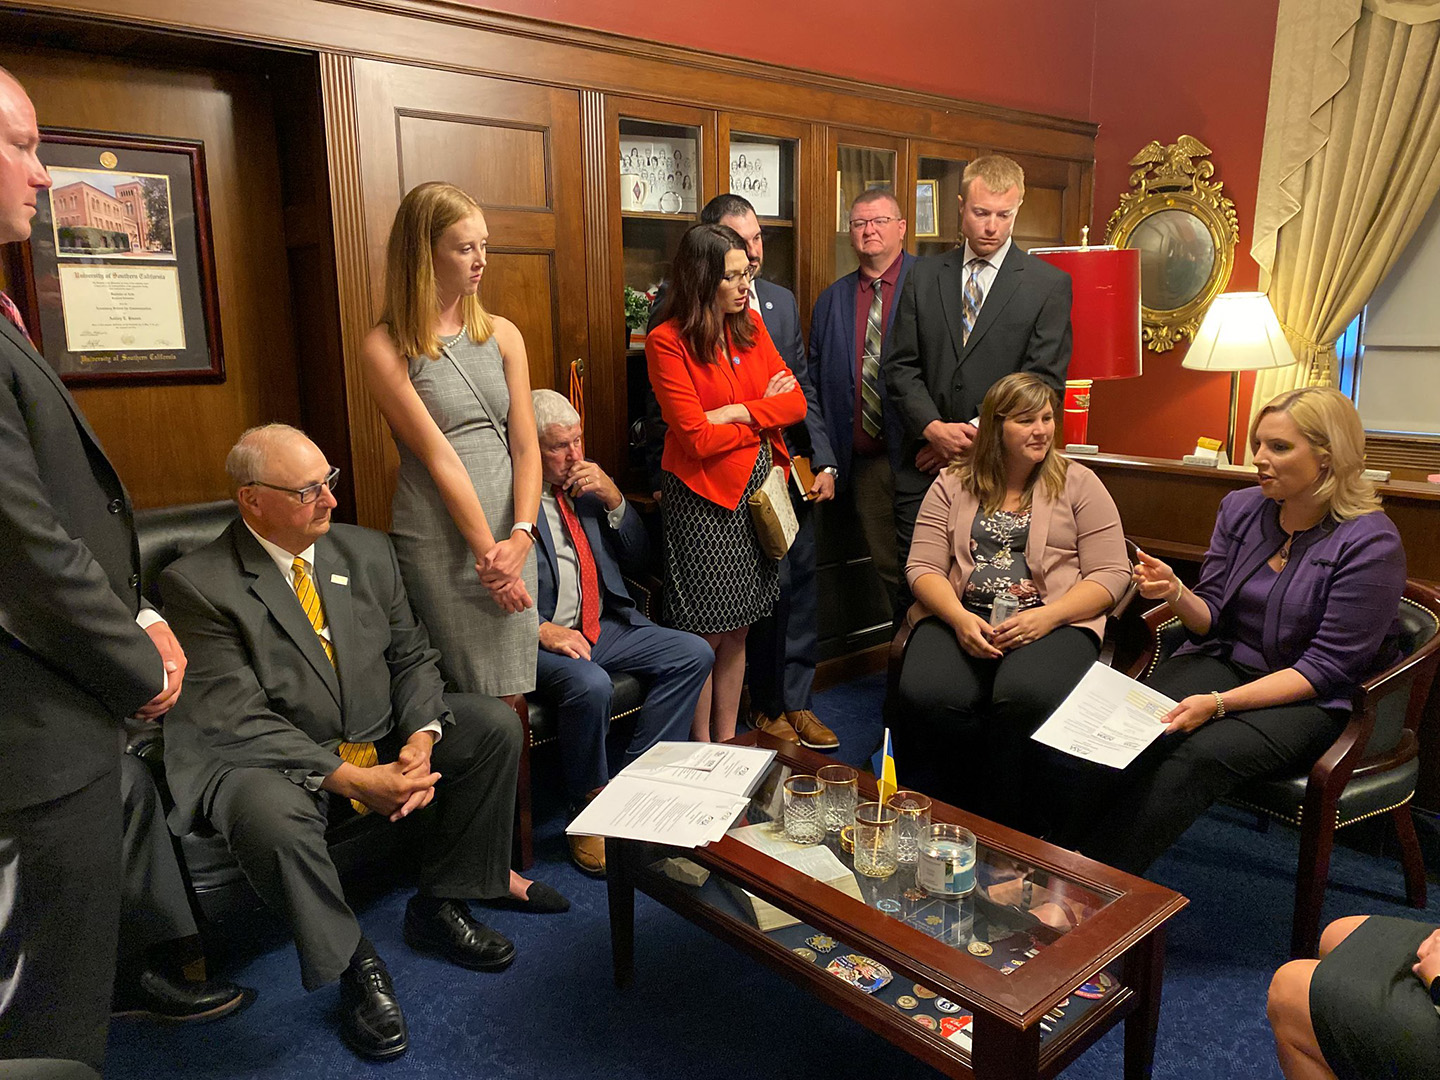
column 118, row 278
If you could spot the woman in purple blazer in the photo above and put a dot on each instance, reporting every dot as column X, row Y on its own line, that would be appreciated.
column 1296, row 605
column 1015, row 520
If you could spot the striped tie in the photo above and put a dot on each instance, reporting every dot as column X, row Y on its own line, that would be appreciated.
column 870, row 414
column 360, row 754
column 973, row 299
column 12, row 313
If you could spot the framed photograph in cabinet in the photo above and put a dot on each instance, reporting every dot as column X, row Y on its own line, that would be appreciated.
column 927, row 222
column 117, row 280
column 658, row 176
column 755, row 174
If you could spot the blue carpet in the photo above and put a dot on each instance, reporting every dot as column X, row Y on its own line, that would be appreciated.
column 700, row 1010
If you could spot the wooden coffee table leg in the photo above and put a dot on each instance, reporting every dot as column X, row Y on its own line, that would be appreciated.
column 1002, row 1052
column 622, row 912
column 1144, row 973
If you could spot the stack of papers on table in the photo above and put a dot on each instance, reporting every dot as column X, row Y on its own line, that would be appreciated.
column 679, row 794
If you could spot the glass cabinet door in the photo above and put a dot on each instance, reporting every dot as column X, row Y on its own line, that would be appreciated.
column 860, row 166
column 764, row 167
column 935, row 219
column 665, row 170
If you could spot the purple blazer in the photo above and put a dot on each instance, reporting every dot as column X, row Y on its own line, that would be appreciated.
column 1332, row 614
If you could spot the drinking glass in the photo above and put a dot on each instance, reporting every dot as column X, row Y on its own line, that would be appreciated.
column 914, row 823
column 838, row 787
column 804, row 823
column 875, row 839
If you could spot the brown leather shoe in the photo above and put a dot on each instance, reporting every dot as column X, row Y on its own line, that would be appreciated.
column 588, row 854
column 812, row 732
column 778, row 727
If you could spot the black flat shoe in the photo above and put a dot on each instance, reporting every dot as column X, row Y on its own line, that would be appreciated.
column 157, row 996
column 540, row 899
column 371, row 1022
column 456, row 935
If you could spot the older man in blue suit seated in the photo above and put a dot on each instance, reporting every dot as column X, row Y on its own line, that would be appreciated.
column 590, row 627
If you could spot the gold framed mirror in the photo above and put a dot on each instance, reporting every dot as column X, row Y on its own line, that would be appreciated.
column 1185, row 231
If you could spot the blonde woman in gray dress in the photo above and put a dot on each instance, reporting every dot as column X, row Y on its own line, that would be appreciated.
column 453, row 383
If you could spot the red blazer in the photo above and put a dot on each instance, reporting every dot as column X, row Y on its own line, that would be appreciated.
column 715, row 460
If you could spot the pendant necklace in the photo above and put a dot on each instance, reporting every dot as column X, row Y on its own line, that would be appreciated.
column 1285, row 551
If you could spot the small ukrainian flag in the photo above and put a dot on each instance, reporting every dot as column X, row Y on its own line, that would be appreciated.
column 883, row 764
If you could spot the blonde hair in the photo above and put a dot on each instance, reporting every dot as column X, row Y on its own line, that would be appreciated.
column 998, row 172
column 1329, row 421
column 411, row 302
column 982, row 472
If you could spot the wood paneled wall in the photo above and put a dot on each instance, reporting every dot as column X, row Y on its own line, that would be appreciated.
column 169, row 442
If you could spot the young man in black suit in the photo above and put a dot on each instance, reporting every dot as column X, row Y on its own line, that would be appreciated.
column 78, row 652
column 966, row 319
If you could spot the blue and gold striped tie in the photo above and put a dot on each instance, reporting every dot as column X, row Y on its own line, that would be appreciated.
column 361, row 754
column 974, row 297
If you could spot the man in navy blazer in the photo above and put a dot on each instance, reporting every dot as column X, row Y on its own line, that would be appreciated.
column 590, row 627
column 841, row 335
column 966, row 319
column 780, row 650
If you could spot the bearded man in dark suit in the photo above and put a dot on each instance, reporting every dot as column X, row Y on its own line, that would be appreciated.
column 966, row 319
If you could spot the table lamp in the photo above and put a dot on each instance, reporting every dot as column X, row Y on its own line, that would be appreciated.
column 1104, row 321
column 1239, row 333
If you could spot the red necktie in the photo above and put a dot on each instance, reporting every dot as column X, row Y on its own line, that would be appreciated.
column 589, row 580
column 11, row 312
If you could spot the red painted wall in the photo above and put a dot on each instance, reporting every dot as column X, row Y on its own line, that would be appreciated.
column 1139, row 73
column 1041, row 49
column 1210, row 78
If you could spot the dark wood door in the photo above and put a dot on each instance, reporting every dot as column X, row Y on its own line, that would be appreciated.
column 514, row 147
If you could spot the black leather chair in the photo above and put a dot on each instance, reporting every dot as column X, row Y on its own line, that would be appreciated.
column 539, row 722
column 1371, row 769
column 216, row 881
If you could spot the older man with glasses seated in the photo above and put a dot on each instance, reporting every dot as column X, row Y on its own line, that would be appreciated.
column 313, row 692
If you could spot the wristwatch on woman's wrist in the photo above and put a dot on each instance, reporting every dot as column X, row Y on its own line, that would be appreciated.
column 527, row 527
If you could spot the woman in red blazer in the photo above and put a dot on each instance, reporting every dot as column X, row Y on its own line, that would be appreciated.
column 726, row 396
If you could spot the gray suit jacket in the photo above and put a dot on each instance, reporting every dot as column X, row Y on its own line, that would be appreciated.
column 1024, row 325
column 72, row 660
column 259, row 691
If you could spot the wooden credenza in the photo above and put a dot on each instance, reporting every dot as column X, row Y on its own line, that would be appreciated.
column 1169, row 510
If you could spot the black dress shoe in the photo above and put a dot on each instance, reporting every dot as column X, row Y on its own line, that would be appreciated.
column 155, row 995
column 540, row 899
column 453, row 933
column 371, row 1022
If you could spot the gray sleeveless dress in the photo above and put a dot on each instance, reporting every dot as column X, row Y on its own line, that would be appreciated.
column 482, row 649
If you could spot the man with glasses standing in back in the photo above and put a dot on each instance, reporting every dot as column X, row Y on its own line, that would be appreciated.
column 847, row 332
column 780, row 650
column 966, row 319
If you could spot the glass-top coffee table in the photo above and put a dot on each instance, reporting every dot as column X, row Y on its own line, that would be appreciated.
column 1047, row 953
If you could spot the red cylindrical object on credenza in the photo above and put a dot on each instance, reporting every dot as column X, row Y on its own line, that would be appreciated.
column 1104, row 321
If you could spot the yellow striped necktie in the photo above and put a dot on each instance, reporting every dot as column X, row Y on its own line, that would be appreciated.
column 360, row 754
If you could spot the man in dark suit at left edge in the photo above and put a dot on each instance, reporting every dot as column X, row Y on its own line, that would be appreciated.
column 79, row 652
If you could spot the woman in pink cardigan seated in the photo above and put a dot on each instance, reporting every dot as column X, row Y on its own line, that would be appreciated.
column 1013, row 519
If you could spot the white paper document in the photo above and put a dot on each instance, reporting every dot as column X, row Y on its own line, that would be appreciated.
column 659, row 812
column 1108, row 718
column 678, row 793
column 715, row 767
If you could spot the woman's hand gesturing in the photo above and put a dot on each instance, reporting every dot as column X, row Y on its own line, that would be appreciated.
column 1156, row 579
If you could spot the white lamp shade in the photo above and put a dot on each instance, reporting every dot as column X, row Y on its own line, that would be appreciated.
column 1239, row 333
